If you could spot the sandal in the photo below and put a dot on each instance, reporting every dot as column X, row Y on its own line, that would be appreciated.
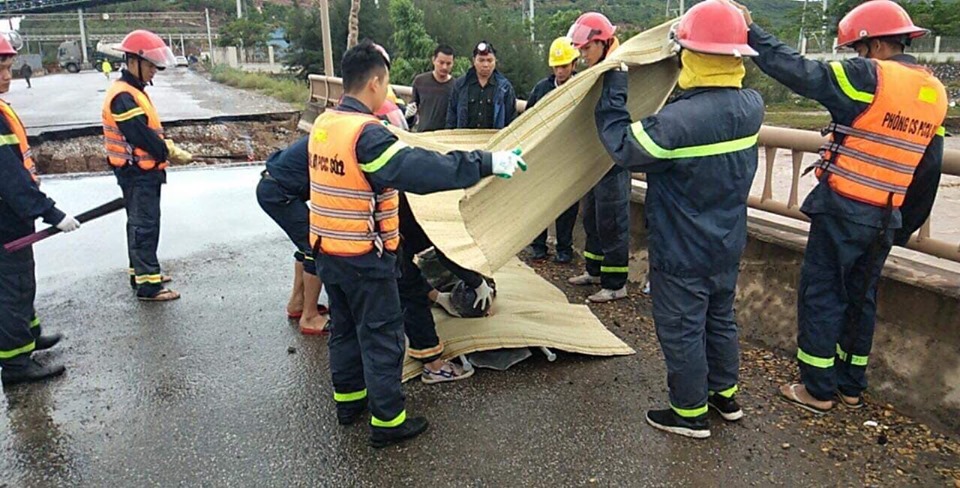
column 314, row 331
column 296, row 315
column 164, row 295
column 790, row 395
column 855, row 405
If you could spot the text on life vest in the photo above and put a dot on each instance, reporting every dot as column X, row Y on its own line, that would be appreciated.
column 332, row 165
column 908, row 125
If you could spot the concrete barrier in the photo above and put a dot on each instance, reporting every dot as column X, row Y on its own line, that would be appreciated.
column 915, row 362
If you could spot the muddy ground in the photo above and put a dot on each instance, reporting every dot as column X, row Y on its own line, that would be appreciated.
column 243, row 140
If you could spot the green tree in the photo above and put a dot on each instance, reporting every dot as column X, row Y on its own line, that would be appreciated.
column 248, row 32
column 555, row 25
column 413, row 46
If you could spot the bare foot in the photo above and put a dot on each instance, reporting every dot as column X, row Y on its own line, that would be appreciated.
column 798, row 394
column 314, row 325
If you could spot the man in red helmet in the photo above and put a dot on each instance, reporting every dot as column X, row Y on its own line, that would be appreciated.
column 139, row 153
column 606, row 208
column 700, row 156
column 878, row 180
column 21, row 202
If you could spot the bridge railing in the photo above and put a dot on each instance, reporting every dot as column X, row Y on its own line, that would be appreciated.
column 326, row 91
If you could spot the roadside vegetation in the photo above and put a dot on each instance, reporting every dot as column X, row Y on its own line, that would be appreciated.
column 285, row 88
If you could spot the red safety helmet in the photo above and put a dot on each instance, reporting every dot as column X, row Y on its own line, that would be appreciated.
column 876, row 18
column 149, row 46
column 6, row 49
column 713, row 27
column 591, row 26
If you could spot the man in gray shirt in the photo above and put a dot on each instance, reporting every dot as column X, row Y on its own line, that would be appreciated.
column 431, row 92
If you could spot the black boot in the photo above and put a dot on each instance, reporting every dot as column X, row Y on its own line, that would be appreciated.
column 45, row 342
column 668, row 421
column 349, row 413
column 385, row 436
column 30, row 372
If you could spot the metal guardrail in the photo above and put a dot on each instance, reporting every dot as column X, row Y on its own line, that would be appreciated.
column 325, row 91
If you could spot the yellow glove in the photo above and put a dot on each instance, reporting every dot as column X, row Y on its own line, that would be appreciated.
column 176, row 155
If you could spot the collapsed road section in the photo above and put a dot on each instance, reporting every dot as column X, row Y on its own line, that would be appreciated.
column 215, row 140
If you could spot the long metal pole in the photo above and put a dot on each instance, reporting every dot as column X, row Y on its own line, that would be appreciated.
column 83, row 36
column 532, row 25
column 823, row 24
column 206, row 12
column 327, row 42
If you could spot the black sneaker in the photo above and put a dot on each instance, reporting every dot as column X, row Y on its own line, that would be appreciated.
column 668, row 421
column 728, row 408
column 348, row 414
column 563, row 257
column 538, row 254
column 31, row 372
column 386, row 436
column 45, row 342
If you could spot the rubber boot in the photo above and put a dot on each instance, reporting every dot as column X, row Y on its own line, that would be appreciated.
column 30, row 372
column 349, row 413
column 45, row 342
column 386, row 436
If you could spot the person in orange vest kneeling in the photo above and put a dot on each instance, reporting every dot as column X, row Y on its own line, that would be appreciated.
column 878, row 178
column 139, row 153
column 357, row 167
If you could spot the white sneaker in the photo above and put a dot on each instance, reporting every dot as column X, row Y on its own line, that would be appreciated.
column 448, row 372
column 605, row 295
column 585, row 279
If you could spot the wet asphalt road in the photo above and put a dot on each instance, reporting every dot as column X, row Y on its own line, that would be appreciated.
column 219, row 389
column 65, row 100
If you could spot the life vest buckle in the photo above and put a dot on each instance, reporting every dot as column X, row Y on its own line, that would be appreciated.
column 829, row 129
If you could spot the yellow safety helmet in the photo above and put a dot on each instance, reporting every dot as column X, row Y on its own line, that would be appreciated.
column 562, row 52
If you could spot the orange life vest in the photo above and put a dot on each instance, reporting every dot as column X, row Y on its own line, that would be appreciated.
column 18, row 137
column 346, row 215
column 877, row 155
column 119, row 152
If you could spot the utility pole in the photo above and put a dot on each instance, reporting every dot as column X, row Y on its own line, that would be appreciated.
column 803, row 21
column 83, row 36
column 206, row 12
column 532, row 25
column 682, row 8
column 327, row 43
column 823, row 24
column 239, row 9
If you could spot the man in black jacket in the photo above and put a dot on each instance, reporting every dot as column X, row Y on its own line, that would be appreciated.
column 483, row 98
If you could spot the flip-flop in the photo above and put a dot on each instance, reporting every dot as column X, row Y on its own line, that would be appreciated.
column 322, row 331
column 296, row 316
column 164, row 295
column 857, row 405
column 792, row 397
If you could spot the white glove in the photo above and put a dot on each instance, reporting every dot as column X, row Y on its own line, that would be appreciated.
column 506, row 162
column 484, row 295
column 411, row 110
column 68, row 224
column 443, row 301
